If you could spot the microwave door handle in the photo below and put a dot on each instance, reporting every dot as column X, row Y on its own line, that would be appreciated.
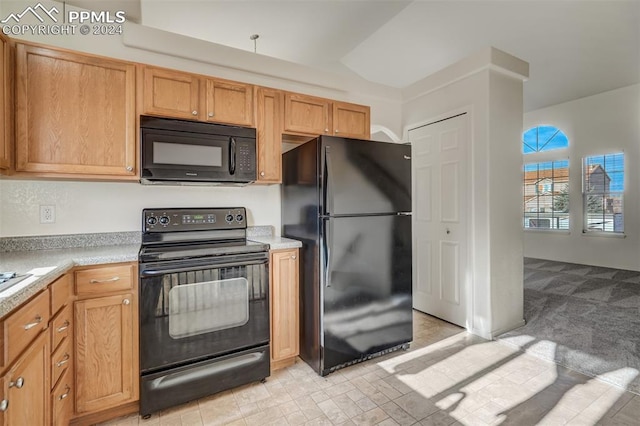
column 232, row 156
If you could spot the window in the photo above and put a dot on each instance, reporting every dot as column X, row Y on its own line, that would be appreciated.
column 546, row 195
column 602, row 193
column 543, row 138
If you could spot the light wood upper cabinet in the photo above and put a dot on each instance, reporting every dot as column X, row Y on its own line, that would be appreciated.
column 170, row 93
column 26, row 387
column 177, row 94
column 229, row 102
column 6, row 124
column 269, row 110
column 317, row 116
column 285, row 340
column 351, row 120
column 75, row 114
column 307, row 114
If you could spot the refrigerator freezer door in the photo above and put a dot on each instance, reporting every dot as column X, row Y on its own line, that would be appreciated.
column 364, row 177
column 366, row 278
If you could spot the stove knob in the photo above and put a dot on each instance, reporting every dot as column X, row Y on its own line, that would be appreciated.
column 229, row 218
column 164, row 220
column 239, row 217
column 152, row 220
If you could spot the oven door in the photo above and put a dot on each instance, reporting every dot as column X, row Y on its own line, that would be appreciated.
column 195, row 310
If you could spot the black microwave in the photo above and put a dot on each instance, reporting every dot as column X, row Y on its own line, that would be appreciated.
column 182, row 152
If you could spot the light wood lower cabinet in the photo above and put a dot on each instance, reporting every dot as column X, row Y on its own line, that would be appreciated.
column 106, row 350
column 26, row 389
column 285, row 339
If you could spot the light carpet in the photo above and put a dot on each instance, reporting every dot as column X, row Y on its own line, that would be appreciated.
column 586, row 318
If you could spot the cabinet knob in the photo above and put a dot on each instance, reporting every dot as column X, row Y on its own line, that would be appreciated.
column 262, row 174
column 126, row 302
column 18, row 383
column 129, row 168
column 4, row 404
column 294, row 257
column 210, row 114
column 194, row 112
column 337, row 131
column 326, row 130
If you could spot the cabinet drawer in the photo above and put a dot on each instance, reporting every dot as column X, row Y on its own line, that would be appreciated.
column 60, row 290
column 61, row 327
column 62, row 400
column 22, row 327
column 61, row 361
column 104, row 279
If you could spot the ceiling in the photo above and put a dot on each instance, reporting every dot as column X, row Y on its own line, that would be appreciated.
column 574, row 48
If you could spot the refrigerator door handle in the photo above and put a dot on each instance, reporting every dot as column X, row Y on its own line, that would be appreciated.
column 328, row 237
column 328, row 174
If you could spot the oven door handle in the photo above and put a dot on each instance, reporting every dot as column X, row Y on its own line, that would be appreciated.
column 188, row 268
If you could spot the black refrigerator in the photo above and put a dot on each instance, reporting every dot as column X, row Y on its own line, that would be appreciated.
column 349, row 202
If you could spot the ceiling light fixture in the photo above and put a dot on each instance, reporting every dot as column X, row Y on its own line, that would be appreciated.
column 254, row 37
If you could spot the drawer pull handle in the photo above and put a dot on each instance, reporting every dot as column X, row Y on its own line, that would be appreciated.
column 19, row 383
column 37, row 320
column 65, row 394
column 64, row 361
column 110, row 280
column 4, row 405
column 63, row 327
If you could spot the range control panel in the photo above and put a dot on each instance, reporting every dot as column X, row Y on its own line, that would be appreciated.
column 193, row 219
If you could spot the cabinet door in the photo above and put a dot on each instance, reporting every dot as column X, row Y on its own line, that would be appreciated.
column 269, row 109
column 26, row 386
column 306, row 114
column 171, row 93
column 106, row 367
column 351, row 120
column 75, row 113
column 229, row 102
column 5, row 105
column 284, row 306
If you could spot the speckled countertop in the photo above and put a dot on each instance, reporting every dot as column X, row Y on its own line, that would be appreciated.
column 264, row 234
column 45, row 266
column 45, row 258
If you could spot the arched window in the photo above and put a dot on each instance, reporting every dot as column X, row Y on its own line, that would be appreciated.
column 543, row 138
column 546, row 183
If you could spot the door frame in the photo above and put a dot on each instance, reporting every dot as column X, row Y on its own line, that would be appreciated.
column 470, row 269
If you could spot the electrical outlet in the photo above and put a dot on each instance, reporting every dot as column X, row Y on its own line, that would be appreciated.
column 47, row 214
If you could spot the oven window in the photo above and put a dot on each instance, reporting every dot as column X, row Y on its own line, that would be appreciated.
column 187, row 155
column 208, row 306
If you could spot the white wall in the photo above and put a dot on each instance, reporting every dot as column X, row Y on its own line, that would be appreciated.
column 112, row 207
column 103, row 207
column 605, row 123
column 488, row 86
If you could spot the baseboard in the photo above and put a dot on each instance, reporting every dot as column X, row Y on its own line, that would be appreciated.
column 496, row 333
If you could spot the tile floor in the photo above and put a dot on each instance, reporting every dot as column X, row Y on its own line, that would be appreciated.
column 447, row 377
